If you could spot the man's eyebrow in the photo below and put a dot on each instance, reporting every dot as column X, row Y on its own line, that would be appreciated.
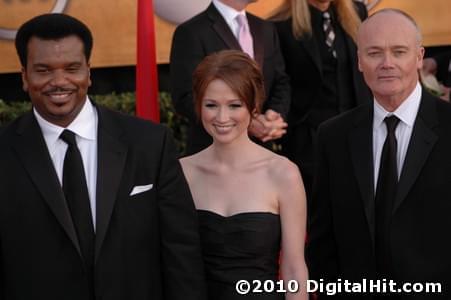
column 39, row 65
column 373, row 48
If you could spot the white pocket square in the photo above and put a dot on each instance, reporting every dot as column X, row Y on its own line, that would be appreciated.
column 141, row 189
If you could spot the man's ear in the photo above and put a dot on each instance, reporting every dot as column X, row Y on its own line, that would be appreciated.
column 420, row 58
column 24, row 79
column 358, row 61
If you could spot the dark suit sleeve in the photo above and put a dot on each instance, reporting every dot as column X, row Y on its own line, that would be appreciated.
column 280, row 91
column 182, row 267
column 186, row 54
column 321, row 250
column 1, row 274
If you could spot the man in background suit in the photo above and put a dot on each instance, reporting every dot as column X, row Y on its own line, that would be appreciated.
column 215, row 29
column 382, row 197
column 126, row 227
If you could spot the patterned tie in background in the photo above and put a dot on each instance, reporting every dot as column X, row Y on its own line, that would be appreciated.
column 244, row 35
column 329, row 32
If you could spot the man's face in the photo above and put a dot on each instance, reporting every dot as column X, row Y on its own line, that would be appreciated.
column 390, row 56
column 57, row 78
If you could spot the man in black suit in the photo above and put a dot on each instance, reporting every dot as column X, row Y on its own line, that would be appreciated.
column 215, row 29
column 325, row 80
column 381, row 200
column 126, row 227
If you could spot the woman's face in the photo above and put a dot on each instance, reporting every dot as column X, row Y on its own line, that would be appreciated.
column 224, row 115
column 320, row 4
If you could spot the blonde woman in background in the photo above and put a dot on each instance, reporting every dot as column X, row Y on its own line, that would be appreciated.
column 317, row 40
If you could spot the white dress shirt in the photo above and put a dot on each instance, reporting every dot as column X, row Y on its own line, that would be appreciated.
column 85, row 128
column 406, row 113
column 229, row 14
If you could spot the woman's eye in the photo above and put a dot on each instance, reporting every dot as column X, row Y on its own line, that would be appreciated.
column 236, row 105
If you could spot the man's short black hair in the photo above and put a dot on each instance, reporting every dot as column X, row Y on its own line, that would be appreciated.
column 51, row 27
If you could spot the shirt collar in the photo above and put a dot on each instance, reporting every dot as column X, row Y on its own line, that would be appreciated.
column 406, row 112
column 228, row 13
column 83, row 125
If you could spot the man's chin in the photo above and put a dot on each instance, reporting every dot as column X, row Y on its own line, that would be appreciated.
column 61, row 115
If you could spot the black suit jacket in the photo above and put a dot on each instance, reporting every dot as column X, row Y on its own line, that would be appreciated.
column 147, row 245
column 304, row 67
column 207, row 33
column 341, row 224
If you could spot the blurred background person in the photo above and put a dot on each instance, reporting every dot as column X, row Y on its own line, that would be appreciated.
column 436, row 74
column 317, row 39
column 251, row 201
column 226, row 25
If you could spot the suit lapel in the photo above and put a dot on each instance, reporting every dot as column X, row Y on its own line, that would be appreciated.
column 32, row 151
column 360, row 144
column 224, row 32
column 111, row 161
column 258, row 39
column 221, row 28
column 309, row 44
column 421, row 143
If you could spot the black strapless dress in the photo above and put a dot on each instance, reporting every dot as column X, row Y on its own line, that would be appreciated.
column 242, row 246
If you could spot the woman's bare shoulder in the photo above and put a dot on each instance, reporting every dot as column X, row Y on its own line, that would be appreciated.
column 281, row 169
column 198, row 162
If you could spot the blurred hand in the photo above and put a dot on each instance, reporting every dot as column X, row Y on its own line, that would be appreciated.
column 268, row 126
column 257, row 127
column 277, row 125
column 271, row 115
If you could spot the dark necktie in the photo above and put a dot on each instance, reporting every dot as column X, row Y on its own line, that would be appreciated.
column 385, row 194
column 76, row 192
column 329, row 32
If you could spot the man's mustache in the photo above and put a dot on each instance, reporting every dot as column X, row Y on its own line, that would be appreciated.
column 59, row 90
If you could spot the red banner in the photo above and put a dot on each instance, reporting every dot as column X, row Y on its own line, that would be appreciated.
column 147, row 106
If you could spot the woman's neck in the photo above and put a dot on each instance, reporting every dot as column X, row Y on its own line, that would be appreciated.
column 233, row 154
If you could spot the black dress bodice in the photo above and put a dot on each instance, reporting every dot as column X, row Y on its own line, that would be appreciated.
column 241, row 246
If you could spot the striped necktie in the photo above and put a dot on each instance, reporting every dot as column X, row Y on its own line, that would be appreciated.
column 329, row 32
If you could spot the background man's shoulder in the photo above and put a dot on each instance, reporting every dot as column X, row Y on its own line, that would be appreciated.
column 132, row 129
column 196, row 21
